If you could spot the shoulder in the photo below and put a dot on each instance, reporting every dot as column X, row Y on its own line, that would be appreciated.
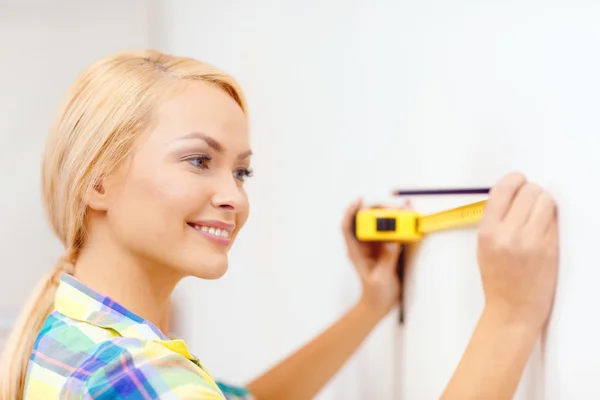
column 133, row 368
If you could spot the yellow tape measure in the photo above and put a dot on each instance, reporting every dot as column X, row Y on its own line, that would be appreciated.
column 407, row 226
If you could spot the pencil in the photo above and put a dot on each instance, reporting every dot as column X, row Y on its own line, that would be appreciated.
column 431, row 192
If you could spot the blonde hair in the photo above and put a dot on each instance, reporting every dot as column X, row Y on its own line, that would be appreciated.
column 104, row 111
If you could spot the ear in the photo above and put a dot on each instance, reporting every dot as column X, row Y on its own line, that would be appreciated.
column 97, row 197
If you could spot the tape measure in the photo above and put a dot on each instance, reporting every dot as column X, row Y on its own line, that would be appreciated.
column 407, row 226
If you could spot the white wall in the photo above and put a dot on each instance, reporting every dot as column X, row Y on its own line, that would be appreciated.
column 361, row 98
column 44, row 46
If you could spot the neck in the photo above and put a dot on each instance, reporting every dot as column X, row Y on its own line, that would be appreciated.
column 136, row 284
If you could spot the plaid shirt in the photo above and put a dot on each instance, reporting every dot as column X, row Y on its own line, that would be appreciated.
column 91, row 347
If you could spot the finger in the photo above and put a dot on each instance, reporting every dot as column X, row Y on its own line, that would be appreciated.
column 501, row 197
column 542, row 215
column 521, row 207
column 552, row 230
column 389, row 254
column 348, row 221
column 551, row 235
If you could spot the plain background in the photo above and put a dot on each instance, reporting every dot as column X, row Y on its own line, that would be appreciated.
column 346, row 99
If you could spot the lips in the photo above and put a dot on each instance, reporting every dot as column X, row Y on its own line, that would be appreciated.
column 216, row 231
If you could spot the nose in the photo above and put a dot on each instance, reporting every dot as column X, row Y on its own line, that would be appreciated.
column 229, row 196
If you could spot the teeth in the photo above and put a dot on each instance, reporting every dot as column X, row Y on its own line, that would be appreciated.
column 214, row 231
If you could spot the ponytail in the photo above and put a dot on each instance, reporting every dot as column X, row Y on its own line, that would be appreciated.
column 18, row 347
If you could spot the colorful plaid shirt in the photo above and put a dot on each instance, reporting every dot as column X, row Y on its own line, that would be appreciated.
column 90, row 347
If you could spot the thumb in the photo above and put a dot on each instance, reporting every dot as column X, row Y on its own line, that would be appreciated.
column 390, row 253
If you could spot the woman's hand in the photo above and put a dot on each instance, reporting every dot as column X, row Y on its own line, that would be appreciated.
column 376, row 266
column 518, row 259
column 518, row 251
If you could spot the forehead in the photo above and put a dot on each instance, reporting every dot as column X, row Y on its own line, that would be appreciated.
column 202, row 107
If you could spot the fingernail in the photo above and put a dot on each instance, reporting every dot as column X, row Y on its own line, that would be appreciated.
column 391, row 247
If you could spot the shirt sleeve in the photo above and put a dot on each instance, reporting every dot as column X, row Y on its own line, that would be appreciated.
column 133, row 369
column 232, row 392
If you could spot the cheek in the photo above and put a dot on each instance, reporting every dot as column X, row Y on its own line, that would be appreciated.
column 158, row 200
column 166, row 191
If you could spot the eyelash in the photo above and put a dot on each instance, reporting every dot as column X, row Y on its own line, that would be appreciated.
column 242, row 173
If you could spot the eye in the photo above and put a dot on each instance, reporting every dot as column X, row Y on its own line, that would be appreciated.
column 243, row 173
column 199, row 161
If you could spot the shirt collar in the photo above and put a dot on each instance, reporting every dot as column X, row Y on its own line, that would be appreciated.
column 80, row 302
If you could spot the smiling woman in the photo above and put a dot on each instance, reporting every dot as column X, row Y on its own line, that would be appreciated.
column 143, row 182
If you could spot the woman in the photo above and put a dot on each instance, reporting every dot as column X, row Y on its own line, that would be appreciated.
column 143, row 182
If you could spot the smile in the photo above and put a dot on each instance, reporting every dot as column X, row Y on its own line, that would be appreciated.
column 218, row 235
column 212, row 230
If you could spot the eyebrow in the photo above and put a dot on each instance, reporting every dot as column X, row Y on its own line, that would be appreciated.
column 212, row 143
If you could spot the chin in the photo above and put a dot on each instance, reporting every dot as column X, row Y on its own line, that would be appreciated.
column 205, row 259
column 214, row 273
column 210, row 268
